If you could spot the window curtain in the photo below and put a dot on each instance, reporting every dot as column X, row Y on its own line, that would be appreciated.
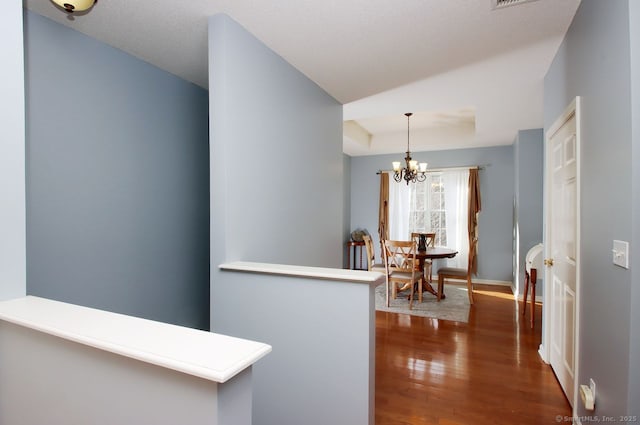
column 399, row 203
column 456, row 195
column 383, row 209
column 475, row 206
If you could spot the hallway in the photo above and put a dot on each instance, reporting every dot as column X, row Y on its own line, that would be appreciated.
column 487, row 371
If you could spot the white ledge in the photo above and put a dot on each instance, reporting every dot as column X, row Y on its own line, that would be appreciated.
column 204, row 354
column 344, row 275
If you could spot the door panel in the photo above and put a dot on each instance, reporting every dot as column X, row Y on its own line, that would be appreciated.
column 569, row 317
column 562, row 239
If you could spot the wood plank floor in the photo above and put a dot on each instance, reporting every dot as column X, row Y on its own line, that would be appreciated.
column 487, row 371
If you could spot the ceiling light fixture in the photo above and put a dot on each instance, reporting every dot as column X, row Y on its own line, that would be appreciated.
column 72, row 6
column 412, row 172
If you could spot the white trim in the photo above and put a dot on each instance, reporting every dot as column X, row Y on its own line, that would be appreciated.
column 344, row 275
column 520, row 297
column 480, row 281
column 539, row 298
column 207, row 355
column 576, row 350
column 573, row 108
column 541, row 350
column 492, row 282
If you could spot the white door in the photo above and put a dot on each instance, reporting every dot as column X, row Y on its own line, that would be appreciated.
column 561, row 247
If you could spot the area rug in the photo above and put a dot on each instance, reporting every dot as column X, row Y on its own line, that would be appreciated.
column 454, row 307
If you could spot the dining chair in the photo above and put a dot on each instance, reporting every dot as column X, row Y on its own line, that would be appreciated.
column 399, row 259
column 372, row 266
column 458, row 274
column 430, row 241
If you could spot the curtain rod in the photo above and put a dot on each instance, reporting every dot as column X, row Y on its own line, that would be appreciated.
column 437, row 170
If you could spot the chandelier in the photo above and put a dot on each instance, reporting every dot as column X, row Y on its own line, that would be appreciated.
column 412, row 172
column 71, row 6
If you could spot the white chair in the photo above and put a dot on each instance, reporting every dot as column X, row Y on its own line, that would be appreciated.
column 532, row 263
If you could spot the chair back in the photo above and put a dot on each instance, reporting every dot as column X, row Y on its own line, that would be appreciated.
column 368, row 243
column 533, row 260
column 400, row 255
column 430, row 238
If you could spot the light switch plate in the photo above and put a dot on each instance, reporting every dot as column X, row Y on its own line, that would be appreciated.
column 621, row 253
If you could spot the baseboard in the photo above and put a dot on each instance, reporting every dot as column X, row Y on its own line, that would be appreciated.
column 541, row 353
column 492, row 282
column 480, row 281
column 539, row 298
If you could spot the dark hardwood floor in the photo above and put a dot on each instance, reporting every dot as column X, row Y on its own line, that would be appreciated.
column 487, row 371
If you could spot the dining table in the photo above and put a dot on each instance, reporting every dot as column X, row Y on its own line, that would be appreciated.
column 432, row 253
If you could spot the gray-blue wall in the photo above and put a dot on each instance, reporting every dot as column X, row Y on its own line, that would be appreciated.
column 496, row 186
column 346, row 219
column 594, row 62
column 12, row 154
column 528, row 152
column 276, row 157
column 321, row 370
column 276, row 196
column 117, row 180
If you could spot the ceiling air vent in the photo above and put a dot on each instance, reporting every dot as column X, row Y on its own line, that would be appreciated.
column 499, row 4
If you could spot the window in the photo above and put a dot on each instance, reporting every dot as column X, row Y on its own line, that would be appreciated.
column 427, row 212
column 440, row 205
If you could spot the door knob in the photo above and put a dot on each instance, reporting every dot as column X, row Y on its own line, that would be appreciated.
column 548, row 262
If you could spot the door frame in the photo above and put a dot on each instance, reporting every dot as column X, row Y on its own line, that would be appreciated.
column 545, row 347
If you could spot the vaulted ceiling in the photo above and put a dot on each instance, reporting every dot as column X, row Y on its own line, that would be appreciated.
column 472, row 74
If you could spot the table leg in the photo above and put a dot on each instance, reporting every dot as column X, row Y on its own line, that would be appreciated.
column 426, row 285
column 526, row 291
column 534, row 275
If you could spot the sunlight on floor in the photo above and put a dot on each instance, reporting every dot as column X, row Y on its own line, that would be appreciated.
column 501, row 295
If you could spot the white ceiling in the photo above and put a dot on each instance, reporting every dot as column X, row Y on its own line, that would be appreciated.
column 380, row 58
